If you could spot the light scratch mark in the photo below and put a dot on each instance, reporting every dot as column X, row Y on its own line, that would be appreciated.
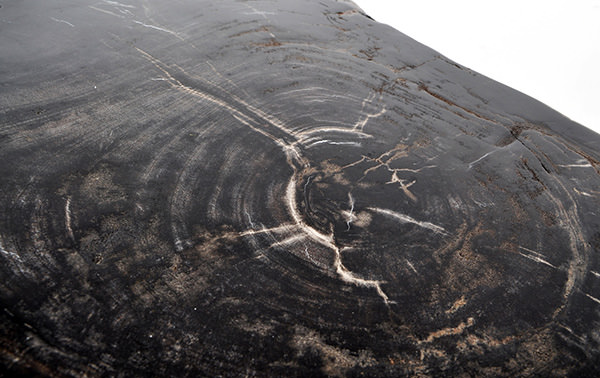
column 260, row 13
column 158, row 28
column 411, row 266
column 592, row 298
column 536, row 258
column 531, row 251
column 291, row 240
column 63, row 21
column 127, row 12
column 105, row 11
column 117, row 4
column 403, row 218
column 576, row 165
column 582, row 193
column 304, row 136
column 471, row 164
column 355, row 144
column 68, row 219
column 317, row 143
column 264, row 230
column 581, row 339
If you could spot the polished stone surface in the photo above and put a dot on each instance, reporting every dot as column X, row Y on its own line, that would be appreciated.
column 281, row 188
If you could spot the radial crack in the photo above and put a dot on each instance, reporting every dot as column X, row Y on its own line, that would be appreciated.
column 328, row 241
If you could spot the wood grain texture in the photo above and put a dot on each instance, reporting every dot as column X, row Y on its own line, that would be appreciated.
column 258, row 188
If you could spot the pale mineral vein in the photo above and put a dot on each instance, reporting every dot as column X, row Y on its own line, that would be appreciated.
column 403, row 218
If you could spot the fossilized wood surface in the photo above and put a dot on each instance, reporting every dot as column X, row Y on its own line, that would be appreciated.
column 281, row 188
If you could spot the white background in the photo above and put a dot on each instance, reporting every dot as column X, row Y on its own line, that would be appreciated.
column 549, row 50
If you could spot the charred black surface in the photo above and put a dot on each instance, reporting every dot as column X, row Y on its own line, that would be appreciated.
column 281, row 188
